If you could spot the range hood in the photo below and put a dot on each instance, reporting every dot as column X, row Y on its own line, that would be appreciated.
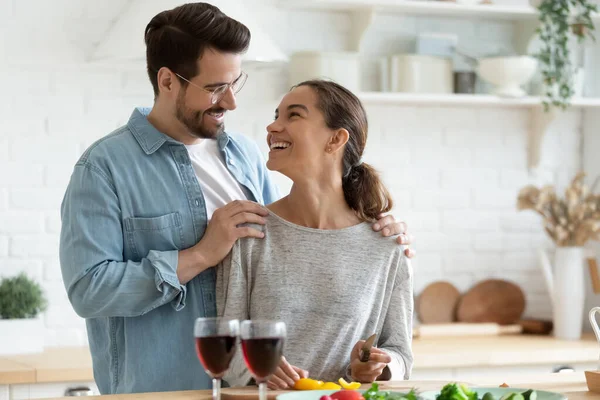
column 124, row 42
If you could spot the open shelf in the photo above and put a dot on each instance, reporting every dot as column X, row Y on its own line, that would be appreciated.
column 423, row 7
column 429, row 8
column 463, row 100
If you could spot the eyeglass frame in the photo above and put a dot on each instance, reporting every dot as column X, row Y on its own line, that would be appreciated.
column 227, row 86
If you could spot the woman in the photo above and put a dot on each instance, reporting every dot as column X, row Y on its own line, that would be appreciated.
column 321, row 268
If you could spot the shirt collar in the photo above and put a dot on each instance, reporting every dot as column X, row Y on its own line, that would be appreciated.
column 150, row 139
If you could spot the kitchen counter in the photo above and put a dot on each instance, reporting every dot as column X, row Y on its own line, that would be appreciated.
column 74, row 364
column 68, row 364
column 572, row 385
column 508, row 350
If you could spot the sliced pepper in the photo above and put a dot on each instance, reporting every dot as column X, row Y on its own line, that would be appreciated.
column 349, row 386
column 308, row 384
column 330, row 386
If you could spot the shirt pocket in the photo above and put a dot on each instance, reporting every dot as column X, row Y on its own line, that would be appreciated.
column 162, row 233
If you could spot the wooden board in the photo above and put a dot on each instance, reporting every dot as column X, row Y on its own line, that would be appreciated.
column 594, row 275
column 593, row 381
column 492, row 300
column 465, row 329
column 437, row 303
column 251, row 392
column 536, row 326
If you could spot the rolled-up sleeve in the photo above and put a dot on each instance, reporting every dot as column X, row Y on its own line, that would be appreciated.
column 99, row 282
column 396, row 335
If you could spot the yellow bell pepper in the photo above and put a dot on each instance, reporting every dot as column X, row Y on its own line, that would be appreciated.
column 349, row 386
column 308, row 384
column 330, row 386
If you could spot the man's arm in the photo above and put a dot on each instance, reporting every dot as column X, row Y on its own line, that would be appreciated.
column 101, row 284
column 98, row 281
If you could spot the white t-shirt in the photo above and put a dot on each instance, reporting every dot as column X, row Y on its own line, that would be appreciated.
column 218, row 185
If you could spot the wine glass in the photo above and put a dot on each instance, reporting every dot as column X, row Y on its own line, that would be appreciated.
column 262, row 345
column 215, row 345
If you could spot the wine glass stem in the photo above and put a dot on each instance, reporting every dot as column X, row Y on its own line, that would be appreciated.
column 262, row 391
column 216, row 389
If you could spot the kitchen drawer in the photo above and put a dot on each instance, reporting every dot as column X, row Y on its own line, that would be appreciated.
column 44, row 390
column 470, row 374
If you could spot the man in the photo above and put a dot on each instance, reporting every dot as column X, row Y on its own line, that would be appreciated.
column 152, row 206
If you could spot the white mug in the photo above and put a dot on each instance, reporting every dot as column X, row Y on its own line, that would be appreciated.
column 594, row 323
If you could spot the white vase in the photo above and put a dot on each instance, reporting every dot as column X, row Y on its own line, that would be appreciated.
column 21, row 336
column 569, row 292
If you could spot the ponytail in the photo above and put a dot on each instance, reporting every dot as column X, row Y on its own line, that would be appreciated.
column 363, row 190
column 365, row 193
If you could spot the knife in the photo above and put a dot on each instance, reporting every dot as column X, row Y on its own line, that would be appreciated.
column 365, row 351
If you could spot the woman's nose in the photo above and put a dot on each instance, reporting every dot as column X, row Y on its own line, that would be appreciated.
column 274, row 126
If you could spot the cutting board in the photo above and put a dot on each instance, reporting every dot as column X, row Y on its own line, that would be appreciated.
column 437, row 303
column 492, row 300
column 251, row 392
column 465, row 329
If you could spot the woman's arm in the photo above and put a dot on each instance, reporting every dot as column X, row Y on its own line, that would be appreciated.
column 396, row 334
column 232, row 302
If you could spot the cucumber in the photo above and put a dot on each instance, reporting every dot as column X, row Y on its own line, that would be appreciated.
column 530, row 395
column 488, row 396
column 508, row 396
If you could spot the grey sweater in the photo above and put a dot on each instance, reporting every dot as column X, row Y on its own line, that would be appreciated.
column 332, row 288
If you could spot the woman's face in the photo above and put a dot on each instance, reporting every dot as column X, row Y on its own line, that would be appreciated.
column 298, row 137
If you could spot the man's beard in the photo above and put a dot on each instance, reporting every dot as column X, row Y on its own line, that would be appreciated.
column 192, row 119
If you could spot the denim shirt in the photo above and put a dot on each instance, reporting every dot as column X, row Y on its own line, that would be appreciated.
column 132, row 203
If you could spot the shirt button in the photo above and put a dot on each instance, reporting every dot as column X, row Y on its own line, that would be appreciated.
column 231, row 162
column 197, row 203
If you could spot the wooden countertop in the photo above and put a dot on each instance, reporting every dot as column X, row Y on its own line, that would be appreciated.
column 68, row 364
column 448, row 352
column 572, row 385
column 74, row 364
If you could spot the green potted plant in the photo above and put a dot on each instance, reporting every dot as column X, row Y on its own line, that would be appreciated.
column 22, row 301
column 560, row 20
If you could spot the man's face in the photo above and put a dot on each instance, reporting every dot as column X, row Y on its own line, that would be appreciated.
column 194, row 106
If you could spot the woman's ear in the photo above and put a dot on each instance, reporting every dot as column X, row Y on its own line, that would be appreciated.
column 337, row 141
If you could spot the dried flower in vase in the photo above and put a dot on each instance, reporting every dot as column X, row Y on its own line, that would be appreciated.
column 570, row 221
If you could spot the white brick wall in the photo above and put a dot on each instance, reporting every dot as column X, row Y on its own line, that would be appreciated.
column 454, row 172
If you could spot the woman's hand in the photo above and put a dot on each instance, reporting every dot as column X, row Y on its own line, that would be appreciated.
column 367, row 372
column 285, row 376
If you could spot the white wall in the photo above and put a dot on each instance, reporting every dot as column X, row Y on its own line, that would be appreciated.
column 453, row 172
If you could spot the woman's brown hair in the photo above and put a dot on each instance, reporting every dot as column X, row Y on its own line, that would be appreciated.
column 363, row 190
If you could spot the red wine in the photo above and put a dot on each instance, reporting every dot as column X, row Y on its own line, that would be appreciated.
column 262, row 355
column 215, row 353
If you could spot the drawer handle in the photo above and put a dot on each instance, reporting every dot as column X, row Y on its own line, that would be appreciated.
column 79, row 391
column 563, row 368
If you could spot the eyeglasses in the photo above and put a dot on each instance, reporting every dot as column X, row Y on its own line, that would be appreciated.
column 217, row 93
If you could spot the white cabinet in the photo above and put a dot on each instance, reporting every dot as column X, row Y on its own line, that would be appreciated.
column 41, row 390
column 477, row 374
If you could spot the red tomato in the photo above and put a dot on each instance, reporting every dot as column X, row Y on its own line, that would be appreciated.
column 347, row 395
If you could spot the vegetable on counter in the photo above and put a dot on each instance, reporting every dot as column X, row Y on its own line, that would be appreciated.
column 375, row 394
column 372, row 394
column 313, row 384
column 459, row 391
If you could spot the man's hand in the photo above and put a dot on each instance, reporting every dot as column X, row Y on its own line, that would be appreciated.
column 286, row 376
column 387, row 225
column 222, row 232
column 367, row 372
